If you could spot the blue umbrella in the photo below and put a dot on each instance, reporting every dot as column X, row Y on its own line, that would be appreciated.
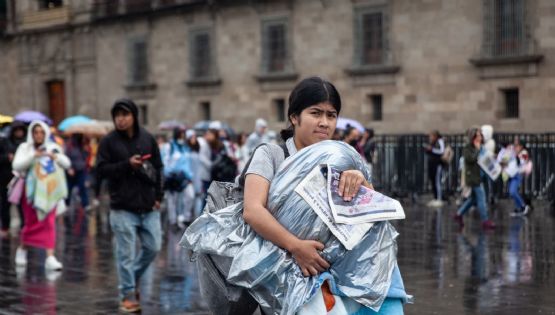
column 73, row 120
column 30, row 115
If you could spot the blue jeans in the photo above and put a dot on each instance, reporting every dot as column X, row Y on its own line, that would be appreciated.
column 514, row 187
column 478, row 198
column 126, row 226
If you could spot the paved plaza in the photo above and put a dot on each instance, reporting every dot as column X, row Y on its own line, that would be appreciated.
column 508, row 271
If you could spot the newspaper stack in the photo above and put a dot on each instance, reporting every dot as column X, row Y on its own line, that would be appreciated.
column 348, row 221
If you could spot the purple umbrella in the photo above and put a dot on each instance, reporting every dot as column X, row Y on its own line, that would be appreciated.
column 343, row 122
column 172, row 124
column 29, row 115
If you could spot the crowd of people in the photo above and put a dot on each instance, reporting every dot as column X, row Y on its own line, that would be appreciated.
column 39, row 170
column 477, row 187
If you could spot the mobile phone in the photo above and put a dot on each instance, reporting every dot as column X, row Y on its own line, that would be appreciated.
column 146, row 157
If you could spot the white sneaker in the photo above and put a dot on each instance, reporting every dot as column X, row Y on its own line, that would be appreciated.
column 52, row 275
column 21, row 257
column 435, row 203
column 52, row 263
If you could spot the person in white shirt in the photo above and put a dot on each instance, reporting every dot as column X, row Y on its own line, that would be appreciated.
column 259, row 136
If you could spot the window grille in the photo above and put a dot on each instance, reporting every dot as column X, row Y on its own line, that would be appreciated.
column 275, row 48
column 201, row 55
column 504, row 28
column 138, row 61
column 372, row 38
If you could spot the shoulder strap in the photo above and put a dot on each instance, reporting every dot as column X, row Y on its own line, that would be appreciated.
column 284, row 148
column 242, row 176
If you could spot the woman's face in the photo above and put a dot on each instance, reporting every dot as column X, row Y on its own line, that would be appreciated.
column 194, row 139
column 479, row 137
column 211, row 135
column 314, row 124
column 38, row 135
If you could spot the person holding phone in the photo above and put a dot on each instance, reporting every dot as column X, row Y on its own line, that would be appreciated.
column 43, row 163
column 471, row 153
column 129, row 158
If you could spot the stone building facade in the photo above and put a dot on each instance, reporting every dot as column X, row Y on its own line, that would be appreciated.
column 401, row 66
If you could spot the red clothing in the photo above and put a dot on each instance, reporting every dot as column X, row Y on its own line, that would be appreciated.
column 37, row 233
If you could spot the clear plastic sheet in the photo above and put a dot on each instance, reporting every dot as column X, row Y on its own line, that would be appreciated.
column 270, row 273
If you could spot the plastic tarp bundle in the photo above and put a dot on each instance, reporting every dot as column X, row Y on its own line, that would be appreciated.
column 271, row 274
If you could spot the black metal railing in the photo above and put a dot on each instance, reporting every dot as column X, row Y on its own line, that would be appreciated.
column 401, row 164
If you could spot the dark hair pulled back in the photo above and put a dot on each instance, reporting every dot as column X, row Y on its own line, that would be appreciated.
column 309, row 92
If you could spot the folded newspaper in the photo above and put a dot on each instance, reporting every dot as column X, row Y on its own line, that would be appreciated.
column 489, row 165
column 348, row 221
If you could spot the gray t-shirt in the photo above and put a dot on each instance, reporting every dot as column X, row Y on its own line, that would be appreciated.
column 267, row 159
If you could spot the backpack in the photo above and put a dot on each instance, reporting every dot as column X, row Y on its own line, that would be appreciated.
column 447, row 155
column 224, row 168
column 237, row 300
column 222, row 194
column 176, row 182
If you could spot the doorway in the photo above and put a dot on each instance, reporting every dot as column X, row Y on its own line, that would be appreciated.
column 56, row 101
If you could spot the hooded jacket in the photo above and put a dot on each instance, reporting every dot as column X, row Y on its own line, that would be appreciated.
column 129, row 188
column 471, row 154
column 489, row 143
column 42, row 191
column 25, row 153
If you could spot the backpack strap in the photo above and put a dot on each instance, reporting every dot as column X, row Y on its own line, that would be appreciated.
column 284, row 148
column 243, row 172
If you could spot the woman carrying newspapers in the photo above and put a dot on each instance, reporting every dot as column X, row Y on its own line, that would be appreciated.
column 277, row 248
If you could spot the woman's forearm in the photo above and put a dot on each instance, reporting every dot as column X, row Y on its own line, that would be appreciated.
column 264, row 223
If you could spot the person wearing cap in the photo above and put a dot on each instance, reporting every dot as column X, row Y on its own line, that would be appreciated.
column 129, row 158
column 259, row 135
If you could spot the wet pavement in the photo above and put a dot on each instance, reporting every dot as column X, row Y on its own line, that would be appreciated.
column 506, row 271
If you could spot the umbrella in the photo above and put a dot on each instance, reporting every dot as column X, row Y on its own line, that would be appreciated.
column 343, row 122
column 96, row 128
column 30, row 115
column 203, row 126
column 172, row 124
column 5, row 119
column 73, row 120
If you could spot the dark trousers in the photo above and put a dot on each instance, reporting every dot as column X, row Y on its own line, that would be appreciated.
column 4, row 208
column 78, row 180
column 5, row 216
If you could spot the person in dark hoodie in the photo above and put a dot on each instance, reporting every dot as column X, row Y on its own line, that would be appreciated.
column 16, row 136
column 129, row 158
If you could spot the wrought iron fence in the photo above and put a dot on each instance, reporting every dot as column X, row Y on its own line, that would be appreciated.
column 401, row 166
